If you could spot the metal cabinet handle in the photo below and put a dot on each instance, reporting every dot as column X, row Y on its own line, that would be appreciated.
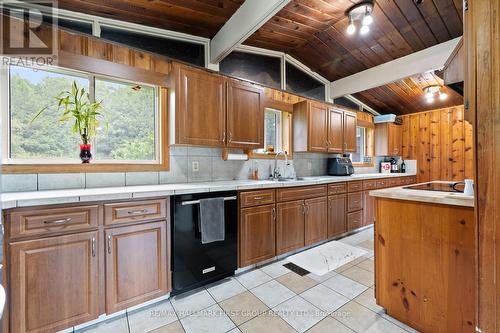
column 109, row 244
column 224, row 136
column 93, row 246
column 61, row 221
column 258, row 198
column 274, row 213
column 229, row 137
column 137, row 211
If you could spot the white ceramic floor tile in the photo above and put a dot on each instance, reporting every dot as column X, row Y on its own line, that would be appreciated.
column 324, row 277
column 272, row 293
column 367, row 299
column 360, row 275
column 276, row 269
column 345, row 286
column 324, row 298
column 225, row 289
column 152, row 317
column 384, row 326
column 398, row 323
column 299, row 313
column 191, row 302
column 330, row 325
column 209, row 320
column 253, row 278
column 356, row 317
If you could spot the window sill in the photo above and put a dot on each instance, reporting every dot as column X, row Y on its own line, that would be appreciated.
column 82, row 168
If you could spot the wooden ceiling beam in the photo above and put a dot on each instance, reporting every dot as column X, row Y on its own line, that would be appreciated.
column 429, row 59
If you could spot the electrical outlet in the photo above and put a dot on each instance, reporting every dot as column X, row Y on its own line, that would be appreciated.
column 309, row 165
column 195, row 165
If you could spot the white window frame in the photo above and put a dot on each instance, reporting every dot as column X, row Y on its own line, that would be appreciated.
column 5, row 118
column 279, row 130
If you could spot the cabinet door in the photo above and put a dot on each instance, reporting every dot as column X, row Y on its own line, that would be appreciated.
column 336, row 215
column 354, row 220
column 368, row 208
column 136, row 264
column 350, row 132
column 316, row 221
column 257, row 234
column 335, row 130
column 395, row 139
column 318, row 127
column 200, row 108
column 290, row 226
column 53, row 282
column 245, row 116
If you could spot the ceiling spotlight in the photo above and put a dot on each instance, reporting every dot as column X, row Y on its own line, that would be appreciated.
column 430, row 100
column 351, row 28
column 429, row 94
column 443, row 96
column 368, row 19
column 361, row 13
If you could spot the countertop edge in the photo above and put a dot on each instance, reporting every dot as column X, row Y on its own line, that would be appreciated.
column 49, row 197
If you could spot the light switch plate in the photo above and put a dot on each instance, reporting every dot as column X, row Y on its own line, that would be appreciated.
column 195, row 165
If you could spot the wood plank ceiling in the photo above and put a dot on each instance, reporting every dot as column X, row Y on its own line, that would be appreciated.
column 313, row 31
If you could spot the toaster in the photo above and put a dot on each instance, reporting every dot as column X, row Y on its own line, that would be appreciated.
column 340, row 166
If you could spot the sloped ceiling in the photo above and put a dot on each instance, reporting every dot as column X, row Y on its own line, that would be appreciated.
column 313, row 31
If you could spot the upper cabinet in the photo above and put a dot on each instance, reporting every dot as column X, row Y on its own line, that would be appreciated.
column 200, row 107
column 388, row 139
column 318, row 127
column 211, row 110
column 245, row 115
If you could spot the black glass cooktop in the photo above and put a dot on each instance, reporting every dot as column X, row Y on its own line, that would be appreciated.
column 442, row 187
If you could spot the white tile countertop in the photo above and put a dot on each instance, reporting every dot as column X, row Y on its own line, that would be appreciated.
column 34, row 198
column 438, row 197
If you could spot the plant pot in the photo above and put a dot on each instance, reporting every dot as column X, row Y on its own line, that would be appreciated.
column 85, row 154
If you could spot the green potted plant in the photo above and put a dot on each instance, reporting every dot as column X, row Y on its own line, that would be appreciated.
column 76, row 105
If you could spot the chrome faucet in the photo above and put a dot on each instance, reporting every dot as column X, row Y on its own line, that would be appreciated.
column 276, row 175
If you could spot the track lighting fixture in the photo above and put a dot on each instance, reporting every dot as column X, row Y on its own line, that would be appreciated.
column 361, row 12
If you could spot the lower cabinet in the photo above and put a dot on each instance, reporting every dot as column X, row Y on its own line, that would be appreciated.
column 336, row 215
column 316, row 224
column 136, row 264
column 53, row 282
column 368, row 208
column 257, row 234
column 290, row 226
column 354, row 220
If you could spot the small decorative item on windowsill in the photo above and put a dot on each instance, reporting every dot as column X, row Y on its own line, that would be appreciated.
column 78, row 106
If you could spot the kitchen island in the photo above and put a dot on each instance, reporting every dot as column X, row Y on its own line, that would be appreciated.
column 424, row 258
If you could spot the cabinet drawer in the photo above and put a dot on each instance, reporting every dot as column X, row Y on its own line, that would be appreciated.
column 354, row 186
column 298, row 193
column 256, row 198
column 369, row 184
column 339, row 188
column 383, row 183
column 354, row 201
column 38, row 222
column 123, row 212
column 354, row 220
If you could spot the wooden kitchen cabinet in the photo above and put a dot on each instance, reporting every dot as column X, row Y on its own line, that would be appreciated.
column 354, row 220
column 136, row 264
column 336, row 215
column 200, row 102
column 257, row 234
column 350, row 121
column 368, row 209
column 318, row 127
column 245, row 115
column 388, row 139
column 335, row 130
column 290, row 226
column 54, row 282
column 316, row 220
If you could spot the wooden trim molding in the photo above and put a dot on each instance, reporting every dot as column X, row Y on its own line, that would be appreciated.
column 108, row 167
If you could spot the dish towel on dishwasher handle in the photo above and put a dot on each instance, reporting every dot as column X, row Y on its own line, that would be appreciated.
column 212, row 224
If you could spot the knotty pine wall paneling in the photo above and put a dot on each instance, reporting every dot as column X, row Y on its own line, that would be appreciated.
column 441, row 142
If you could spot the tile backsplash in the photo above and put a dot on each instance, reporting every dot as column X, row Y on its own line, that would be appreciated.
column 211, row 168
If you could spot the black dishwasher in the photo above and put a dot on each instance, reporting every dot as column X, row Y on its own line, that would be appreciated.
column 195, row 264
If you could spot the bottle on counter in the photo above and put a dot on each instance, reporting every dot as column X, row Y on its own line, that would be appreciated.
column 394, row 165
column 403, row 167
